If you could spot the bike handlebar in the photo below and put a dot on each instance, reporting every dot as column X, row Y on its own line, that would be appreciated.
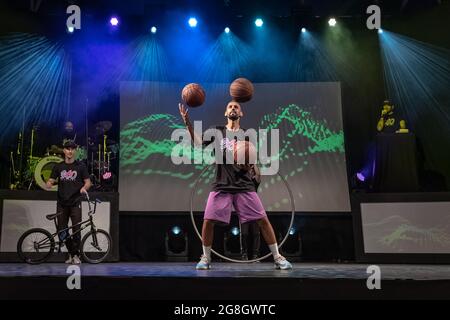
column 89, row 201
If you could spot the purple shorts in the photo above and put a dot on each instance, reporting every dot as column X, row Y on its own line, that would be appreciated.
column 247, row 205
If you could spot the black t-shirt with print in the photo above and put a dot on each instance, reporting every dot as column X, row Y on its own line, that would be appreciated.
column 70, row 178
column 391, row 124
column 230, row 177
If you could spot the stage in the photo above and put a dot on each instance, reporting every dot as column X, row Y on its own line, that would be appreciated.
column 180, row 281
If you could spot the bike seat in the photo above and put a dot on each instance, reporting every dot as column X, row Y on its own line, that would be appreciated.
column 53, row 216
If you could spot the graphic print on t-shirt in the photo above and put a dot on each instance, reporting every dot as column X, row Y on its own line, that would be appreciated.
column 70, row 175
column 227, row 144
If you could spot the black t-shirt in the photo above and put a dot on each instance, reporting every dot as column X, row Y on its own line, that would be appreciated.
column 391, row 124
column 70, row 181
column 230, row 177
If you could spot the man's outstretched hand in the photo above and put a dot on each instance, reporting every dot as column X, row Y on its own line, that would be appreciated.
column 184, row 113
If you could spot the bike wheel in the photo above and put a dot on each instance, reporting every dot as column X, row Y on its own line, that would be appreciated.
column 35, row 246
column 96, row 246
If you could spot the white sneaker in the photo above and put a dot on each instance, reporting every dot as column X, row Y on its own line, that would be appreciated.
column 282, row 264
column 76, row 260
column 203, row 264
column 70, row 260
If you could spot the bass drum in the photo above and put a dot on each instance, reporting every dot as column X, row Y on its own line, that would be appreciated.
column 44, row 169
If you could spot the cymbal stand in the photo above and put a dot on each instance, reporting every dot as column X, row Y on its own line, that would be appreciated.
column 12, row 173
column 31, row 156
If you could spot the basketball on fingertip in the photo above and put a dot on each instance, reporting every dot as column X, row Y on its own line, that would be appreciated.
column 193, row 95
column 241, row 90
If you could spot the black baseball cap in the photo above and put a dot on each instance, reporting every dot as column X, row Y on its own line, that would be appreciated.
column 70, row 144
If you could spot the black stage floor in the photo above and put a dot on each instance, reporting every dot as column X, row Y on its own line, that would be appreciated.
column 223, row 281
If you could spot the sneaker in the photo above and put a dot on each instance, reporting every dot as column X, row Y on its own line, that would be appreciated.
column 282, row 264
column 70, row 260
column 76, row 260
column 203, row 264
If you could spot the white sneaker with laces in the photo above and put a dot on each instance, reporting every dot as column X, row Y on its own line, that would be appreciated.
column 281, row 263
column 203, row 264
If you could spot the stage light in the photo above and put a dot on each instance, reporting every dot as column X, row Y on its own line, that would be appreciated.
column 153, row 29
column 192, row 22
column 114, row 21
column 176, row 243
column 380, row 31
column 176, row 230
column 70, row 29
column 303, row 30
column 227, row 30
column 417, row 77
column 232, row 243
column 38, row 68
column 292, row 247
column 360, row 177
column 332, row 22
column 259, row 22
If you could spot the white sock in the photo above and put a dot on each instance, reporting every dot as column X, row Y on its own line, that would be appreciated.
column 207, row 252
column 274, row 249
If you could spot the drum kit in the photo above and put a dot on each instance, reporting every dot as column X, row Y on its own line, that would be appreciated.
column 30, row 171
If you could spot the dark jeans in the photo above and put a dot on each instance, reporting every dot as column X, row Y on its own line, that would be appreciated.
column 253, row 229
column 74, row 213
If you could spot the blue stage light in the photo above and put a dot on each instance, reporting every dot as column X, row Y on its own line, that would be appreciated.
column 176, row 230
column 259, row 22
column 153, row 29
column 70, row 29
column 303, row 30
column 192, row 22
column 235, row 231
column 114, row 21
column 227, row 30
column 380, row 31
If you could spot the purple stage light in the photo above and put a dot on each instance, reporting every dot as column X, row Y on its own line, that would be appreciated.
column 114, row 21
column 360, row 176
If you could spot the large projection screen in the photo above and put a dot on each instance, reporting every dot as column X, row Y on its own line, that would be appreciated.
column 311, row 157
column 406, row 227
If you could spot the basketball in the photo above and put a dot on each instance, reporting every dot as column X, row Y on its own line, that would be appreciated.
column 245, row 153
column 193, row 95
column 241, row 90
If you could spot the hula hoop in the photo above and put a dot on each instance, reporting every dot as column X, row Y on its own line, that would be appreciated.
column 291, row 199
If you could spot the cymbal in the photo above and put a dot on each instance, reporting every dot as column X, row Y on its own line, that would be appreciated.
column 103, row 126
column 95, row 146
column 55, row 150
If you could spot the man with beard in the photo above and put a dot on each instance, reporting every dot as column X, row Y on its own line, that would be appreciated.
column 234, row 186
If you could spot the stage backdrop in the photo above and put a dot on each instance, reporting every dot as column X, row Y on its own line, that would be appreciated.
column 406, row 227
column 312, row 156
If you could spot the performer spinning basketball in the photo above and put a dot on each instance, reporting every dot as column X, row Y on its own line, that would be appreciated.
column 233, row 186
